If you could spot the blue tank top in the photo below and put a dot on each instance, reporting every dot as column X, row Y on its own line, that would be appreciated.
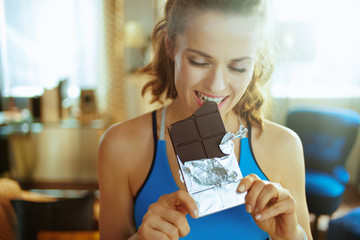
column 233, row 223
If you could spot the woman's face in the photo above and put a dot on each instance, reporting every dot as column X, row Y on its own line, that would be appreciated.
column 214, row 60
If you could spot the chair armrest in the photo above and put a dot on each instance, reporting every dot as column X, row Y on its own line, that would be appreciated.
column 341, row 174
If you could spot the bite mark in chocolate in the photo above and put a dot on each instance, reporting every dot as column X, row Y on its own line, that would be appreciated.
column 198, row 136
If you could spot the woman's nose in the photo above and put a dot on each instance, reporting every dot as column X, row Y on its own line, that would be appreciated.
column 217, row 81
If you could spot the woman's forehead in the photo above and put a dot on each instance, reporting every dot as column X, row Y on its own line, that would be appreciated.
column 213, row 22
column 212, row 31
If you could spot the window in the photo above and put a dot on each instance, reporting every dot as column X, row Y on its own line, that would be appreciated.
column 45, row 41
column 320, row 48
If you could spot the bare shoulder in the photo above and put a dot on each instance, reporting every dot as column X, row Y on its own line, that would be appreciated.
column 279, row 149
column 285, row 137
column 126, row 136
column 125, row 146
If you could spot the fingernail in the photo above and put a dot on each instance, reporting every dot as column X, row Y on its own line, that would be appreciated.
column 258, row 216
column 196, row 213
column 241, row 188
column 256, row 210
column 248, row 208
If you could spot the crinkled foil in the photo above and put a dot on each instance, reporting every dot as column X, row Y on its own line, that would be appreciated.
column 212, row 183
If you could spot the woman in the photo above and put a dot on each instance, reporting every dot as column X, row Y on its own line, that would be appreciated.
column 215, row 50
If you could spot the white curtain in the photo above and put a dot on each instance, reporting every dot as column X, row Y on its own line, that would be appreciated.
column 44, row 41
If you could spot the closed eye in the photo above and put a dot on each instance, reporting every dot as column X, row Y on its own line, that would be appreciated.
column 239, row 67
column 198, row 64
column 240, row 70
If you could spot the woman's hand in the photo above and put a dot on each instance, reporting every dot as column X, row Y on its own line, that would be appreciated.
column 272, row 207
column 166, row 219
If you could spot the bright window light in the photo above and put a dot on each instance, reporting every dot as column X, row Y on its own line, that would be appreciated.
column 319, row 48
column 42, row 42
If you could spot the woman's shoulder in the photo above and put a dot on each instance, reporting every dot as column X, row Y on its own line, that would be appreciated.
column 275, row 136
column 123, row 140
column 279, row 146
column 282, row 134
column 283, row 141
column 129, row 130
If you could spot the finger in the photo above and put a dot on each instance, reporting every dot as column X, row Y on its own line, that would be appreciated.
column 182, row 209
column 287, row 206
column 171, row 231
column 158, row 222
column 146, row 232
column 252, row 195
column 171, row 219
column 247, row 182
column 273, row 193
column 183, row 199
column 178, row 220
column 268, row 196
column 153, row 235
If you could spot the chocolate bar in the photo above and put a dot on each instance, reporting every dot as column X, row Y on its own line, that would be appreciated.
column 198, row 136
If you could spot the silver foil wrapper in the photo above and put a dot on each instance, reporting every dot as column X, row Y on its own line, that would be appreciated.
column 212, row 182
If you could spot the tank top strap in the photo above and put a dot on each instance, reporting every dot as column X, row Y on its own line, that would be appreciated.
column 248, row 125
column 153, row 117
column 162, row 126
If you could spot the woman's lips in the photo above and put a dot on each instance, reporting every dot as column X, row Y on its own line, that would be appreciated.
column 202, row 97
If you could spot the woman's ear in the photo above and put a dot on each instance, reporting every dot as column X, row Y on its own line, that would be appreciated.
column 168, row 46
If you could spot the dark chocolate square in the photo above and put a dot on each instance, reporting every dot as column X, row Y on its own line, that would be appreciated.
column 192, row 151
column 184, row 131
column 198, row 136
column 210, row 125
column 214, row 141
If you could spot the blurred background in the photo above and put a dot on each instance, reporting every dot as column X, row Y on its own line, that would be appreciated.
column 67, row 71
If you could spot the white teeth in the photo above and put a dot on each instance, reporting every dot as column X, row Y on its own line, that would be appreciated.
column 204, row 98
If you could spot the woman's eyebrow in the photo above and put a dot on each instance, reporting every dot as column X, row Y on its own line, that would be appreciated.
column 198, row 52
column 241, row 59
column 208, row 56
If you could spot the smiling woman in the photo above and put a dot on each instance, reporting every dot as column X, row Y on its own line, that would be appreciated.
column 205, row 50
column 252, row 33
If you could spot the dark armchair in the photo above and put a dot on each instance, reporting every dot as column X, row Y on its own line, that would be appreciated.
column 328, row 135
column 75, row 214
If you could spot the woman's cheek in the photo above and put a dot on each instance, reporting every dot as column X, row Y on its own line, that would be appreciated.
column 241, row 83
column 191, row 75
column 246, row 80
